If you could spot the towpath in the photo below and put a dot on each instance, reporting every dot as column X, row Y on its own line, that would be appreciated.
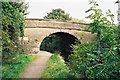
column 36, row 68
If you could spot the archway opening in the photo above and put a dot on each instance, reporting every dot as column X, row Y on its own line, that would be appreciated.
column 60, row 42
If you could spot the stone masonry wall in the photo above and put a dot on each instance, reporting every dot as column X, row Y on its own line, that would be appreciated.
column 41, row 23
column 37, row 29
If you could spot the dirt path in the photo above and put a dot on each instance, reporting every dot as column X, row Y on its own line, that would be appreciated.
column 36, row 68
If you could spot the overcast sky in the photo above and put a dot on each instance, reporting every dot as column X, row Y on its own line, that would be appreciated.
column 76, row 8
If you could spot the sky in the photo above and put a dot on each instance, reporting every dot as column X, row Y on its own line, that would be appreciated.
column 76, row 8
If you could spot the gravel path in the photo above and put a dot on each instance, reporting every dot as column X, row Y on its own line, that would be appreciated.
column 36, row 68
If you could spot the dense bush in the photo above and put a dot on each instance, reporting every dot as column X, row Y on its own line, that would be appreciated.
column 99, row 59
column 12, row 27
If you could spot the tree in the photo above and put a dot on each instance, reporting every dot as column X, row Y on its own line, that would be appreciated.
column 58, row 14
column 21, row 6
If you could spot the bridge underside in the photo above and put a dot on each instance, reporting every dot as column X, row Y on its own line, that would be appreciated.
column 60, row 42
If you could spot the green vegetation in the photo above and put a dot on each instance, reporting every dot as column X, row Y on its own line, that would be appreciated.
column 58, row 14
column 100, row 59
column 12, row 25
column 20, row 61
column 52, row 43
column 77, row 20
column 56, row 68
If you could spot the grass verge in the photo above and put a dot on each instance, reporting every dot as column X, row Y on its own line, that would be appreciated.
column 56, row 68
column 13, row 70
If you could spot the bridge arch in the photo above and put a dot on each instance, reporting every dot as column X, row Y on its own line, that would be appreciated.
column 63, row 35
column 59, row 41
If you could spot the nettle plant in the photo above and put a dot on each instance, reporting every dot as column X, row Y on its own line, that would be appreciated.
column 99, row 59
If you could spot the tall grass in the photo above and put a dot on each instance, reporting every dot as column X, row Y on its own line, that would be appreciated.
column 56, row 68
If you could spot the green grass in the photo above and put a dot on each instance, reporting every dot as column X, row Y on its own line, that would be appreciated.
column 14, row 70
column 56, row 68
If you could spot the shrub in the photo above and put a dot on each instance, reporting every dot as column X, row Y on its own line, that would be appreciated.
column 99, row 59
column 12, row 26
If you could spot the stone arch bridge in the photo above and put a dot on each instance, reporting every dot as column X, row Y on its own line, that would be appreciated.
column 36, row 30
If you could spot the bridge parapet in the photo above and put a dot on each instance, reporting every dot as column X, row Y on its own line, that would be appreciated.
column 44, row 23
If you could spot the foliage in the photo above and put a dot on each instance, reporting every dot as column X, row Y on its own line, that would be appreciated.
column 52, row 43
column 58, row 14
column 21, row 6
column 56, row 68
column 12, row 26
column 20, row 62
column 100, row 59
column 77, row 20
